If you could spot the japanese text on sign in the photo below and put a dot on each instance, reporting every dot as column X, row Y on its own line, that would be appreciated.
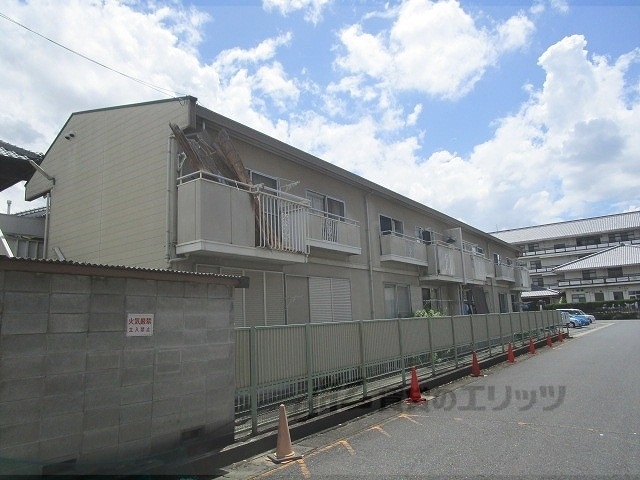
column 139, row 324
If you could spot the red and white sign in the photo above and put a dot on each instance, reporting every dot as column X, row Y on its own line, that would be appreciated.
column 139, row 324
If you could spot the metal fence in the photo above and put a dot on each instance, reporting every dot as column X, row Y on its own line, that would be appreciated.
column 311, row 367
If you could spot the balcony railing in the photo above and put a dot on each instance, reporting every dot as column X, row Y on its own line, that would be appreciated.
column 230, row 218
column 444, row 263
column 477, row 268
column 581, row 248
column 599, row 281
column 333, row 232
column 402, row 248
column 505, row 272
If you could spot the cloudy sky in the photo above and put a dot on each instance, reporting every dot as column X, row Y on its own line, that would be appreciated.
column 500, row 113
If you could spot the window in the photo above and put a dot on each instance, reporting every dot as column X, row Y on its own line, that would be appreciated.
column 388, row 224
column 558, row 246
column 258, row 178
column 634, row 294
column 333, row 211
column 537, row 282
column 496, row 258
column 423, row 234
column 620, row 237
column 502, row 300
column 614, row 272
column 618, row 296
column 586, row 241
column 535, row 264
column 588, row 274
column 533, row 247
column 329, row 299
column 260, row 304
column 598, row 296
column 397, row 301
column 578, row 298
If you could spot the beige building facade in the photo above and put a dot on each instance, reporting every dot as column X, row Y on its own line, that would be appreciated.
column 318, row 243
column 588, row 260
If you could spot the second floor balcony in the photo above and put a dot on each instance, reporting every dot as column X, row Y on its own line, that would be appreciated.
column 226, row 218
column 397, row 247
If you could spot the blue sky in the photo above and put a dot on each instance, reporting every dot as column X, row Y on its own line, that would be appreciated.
column 502, row 114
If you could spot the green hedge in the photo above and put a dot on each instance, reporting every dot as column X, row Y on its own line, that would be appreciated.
column 608, row 310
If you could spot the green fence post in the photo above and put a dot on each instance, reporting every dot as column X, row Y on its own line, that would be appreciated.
column 432, row 354
column 473, row 340
column 363, row 367
column 500, row 331
column 307, row 336
column 453, row 338
column 253, row 373
column 402, row 365
column 486, row 319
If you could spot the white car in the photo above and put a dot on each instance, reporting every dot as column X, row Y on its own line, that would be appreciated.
column 576, row 311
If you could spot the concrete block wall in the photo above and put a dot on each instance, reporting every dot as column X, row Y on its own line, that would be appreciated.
column 75, row 388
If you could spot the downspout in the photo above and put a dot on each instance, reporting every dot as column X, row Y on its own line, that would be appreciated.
column 46, row 225
column 172, row 199
column 369, row 257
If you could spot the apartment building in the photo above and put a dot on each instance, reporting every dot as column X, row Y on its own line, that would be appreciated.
column 173, row 184
column 21, row 234
column 593, row 259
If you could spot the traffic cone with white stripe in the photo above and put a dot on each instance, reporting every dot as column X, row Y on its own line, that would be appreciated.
column 532, row 347
column 284, row 452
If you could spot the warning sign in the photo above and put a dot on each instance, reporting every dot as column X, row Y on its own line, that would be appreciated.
column 139, row 324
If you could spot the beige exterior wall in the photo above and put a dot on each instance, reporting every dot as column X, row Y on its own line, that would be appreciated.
column 109, row 201
column 109, row 205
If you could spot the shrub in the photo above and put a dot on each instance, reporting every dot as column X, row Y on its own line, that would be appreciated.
column 428, row 313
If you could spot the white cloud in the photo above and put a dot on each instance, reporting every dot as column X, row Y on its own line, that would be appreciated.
column 432, row 47
column 574, row 144
column 312, row 8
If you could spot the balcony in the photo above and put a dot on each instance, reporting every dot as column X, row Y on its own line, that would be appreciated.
column 477, row 268
column 505, row 272
column 396, row 247
column 578, row 249
column 334, row 233
column 444, row 264
column 225, row 218
column 599, row 281
column 522, row 278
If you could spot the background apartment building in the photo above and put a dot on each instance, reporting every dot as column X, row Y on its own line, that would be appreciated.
column 593, row 259
column 173, row 184
column 21, row 234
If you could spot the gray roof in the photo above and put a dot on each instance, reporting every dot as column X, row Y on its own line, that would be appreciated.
column 620, row 256
column 14, row 164
column 573, row 228
column 547, row 292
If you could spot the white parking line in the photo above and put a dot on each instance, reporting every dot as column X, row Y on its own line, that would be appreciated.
column 599, row 325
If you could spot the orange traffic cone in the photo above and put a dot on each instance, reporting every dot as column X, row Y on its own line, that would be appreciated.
column 549, row 341
column 284, row 453
column 414, row 394
column 475, row 367
column 560, row 338
column 532, row 347
column 510, row 357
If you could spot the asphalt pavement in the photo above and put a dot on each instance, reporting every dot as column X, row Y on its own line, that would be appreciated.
column 570, row 410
